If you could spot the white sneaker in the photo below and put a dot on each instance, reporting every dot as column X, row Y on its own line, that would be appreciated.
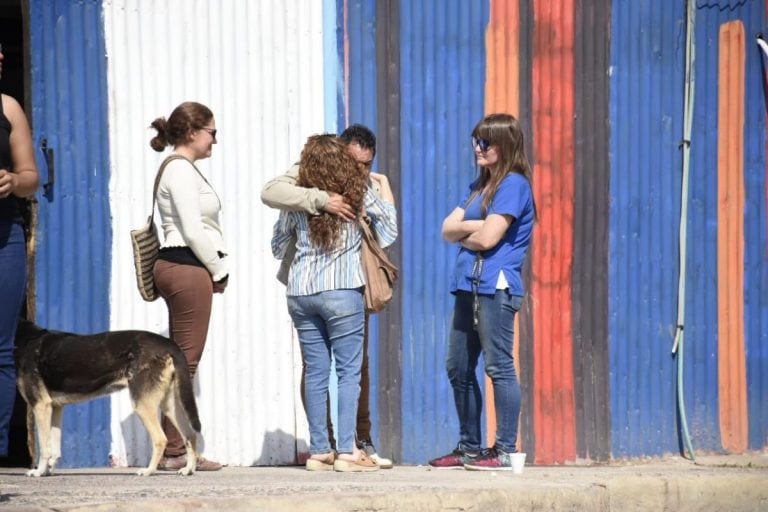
column 380, row 461
column 370, row 450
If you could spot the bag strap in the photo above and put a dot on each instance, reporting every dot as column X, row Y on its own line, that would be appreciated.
column 370, row 239
column 364, row 223
column 160, row 171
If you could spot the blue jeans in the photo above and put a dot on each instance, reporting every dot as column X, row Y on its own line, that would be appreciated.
column 330, row 322
column 13, row 279
column 494, row 337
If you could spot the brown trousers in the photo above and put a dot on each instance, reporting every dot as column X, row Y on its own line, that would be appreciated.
column 188, row 293
column 363, row 405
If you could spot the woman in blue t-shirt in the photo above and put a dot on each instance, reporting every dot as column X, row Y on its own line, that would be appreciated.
column 492, row 226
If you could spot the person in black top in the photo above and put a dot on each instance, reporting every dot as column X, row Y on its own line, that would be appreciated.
column 18, row 179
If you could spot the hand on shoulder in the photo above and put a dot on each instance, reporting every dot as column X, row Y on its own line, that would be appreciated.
column 381, row 179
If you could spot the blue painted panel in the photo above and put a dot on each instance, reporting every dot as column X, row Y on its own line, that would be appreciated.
column 701, row 326
column 701, row 281
column 755, row 230
column 442, row 57
column 361, row 108
column 647, row 63
column 74, row 238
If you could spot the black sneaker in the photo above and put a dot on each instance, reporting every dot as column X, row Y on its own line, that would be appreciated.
column 492, row 459
column 454, row 460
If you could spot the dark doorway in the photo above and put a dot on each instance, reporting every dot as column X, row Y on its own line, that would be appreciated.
column 13, row 83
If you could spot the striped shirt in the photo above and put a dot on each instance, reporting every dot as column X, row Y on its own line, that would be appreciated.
column 314, row 270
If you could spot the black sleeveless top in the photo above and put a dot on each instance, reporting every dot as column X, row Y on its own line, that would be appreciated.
column 9, row 206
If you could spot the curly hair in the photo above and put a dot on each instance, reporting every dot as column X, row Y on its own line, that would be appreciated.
column 326, row 164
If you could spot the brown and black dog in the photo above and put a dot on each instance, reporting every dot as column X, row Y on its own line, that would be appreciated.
column 54, row 369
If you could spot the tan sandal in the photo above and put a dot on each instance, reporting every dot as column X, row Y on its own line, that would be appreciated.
column 363, row 463
column 324, row 463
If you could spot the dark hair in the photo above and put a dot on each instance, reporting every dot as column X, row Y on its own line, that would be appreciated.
column 360, row 135
column 326, row 164
column 505, row 133
column 186, row 118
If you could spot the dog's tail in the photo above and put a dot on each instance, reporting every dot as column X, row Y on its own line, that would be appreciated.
column 186, row 393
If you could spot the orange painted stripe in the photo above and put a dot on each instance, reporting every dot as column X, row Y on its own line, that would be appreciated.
column 553, row 108
column 502, row 94
column 731, row 366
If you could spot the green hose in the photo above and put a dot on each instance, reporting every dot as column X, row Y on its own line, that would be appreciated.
column 677, row 348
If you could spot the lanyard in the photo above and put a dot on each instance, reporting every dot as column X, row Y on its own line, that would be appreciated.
column 477, row 272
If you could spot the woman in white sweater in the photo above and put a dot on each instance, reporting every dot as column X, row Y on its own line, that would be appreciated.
column 192, row 264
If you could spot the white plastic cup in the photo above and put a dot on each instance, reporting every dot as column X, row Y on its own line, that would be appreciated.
column 518, row 462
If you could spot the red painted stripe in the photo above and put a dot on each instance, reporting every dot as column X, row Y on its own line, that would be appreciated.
column 553, row 140
column 731, row 362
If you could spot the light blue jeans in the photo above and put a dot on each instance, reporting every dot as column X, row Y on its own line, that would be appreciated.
column 330, row 322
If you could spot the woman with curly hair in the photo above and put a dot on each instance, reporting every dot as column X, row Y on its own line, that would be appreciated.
column 325, row 294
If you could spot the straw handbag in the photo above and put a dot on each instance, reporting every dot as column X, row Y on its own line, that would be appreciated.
column 380, row 273
column 146, row 245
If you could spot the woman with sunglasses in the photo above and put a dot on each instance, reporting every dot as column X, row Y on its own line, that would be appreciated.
column 18, row 179
column 492, row 225
column 192, row 265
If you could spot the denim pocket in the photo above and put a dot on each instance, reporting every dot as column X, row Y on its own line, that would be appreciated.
column 343, row 302
column 515, row 302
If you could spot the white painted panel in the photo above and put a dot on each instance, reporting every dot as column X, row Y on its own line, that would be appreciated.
column 259, row 66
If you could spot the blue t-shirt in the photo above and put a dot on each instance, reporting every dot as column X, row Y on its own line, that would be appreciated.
column 513, row 197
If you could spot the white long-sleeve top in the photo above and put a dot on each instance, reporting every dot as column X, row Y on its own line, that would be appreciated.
column 189, row 211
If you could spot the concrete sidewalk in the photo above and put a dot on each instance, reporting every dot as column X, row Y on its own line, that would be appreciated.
column 721, row 483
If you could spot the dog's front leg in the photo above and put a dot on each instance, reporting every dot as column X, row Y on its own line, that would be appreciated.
column 43, row 412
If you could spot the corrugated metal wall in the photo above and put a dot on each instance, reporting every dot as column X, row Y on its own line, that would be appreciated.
column 259, row 66
column 645, row 190
column 357, row 22
column 646, row 62
column 552, row 248
column 442, row 57
column 709, row 395
column 74, row 233
column 603, row 115
column 590, row 231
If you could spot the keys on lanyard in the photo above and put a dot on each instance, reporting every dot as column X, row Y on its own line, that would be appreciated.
column 477, row 273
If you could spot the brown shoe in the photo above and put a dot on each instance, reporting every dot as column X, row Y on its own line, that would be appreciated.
column 178, row 462
column 363, row 463
column 172, row 463
column 204, row 464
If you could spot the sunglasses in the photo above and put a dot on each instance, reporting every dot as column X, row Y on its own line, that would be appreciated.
column 483, row 144
column 212, row 131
